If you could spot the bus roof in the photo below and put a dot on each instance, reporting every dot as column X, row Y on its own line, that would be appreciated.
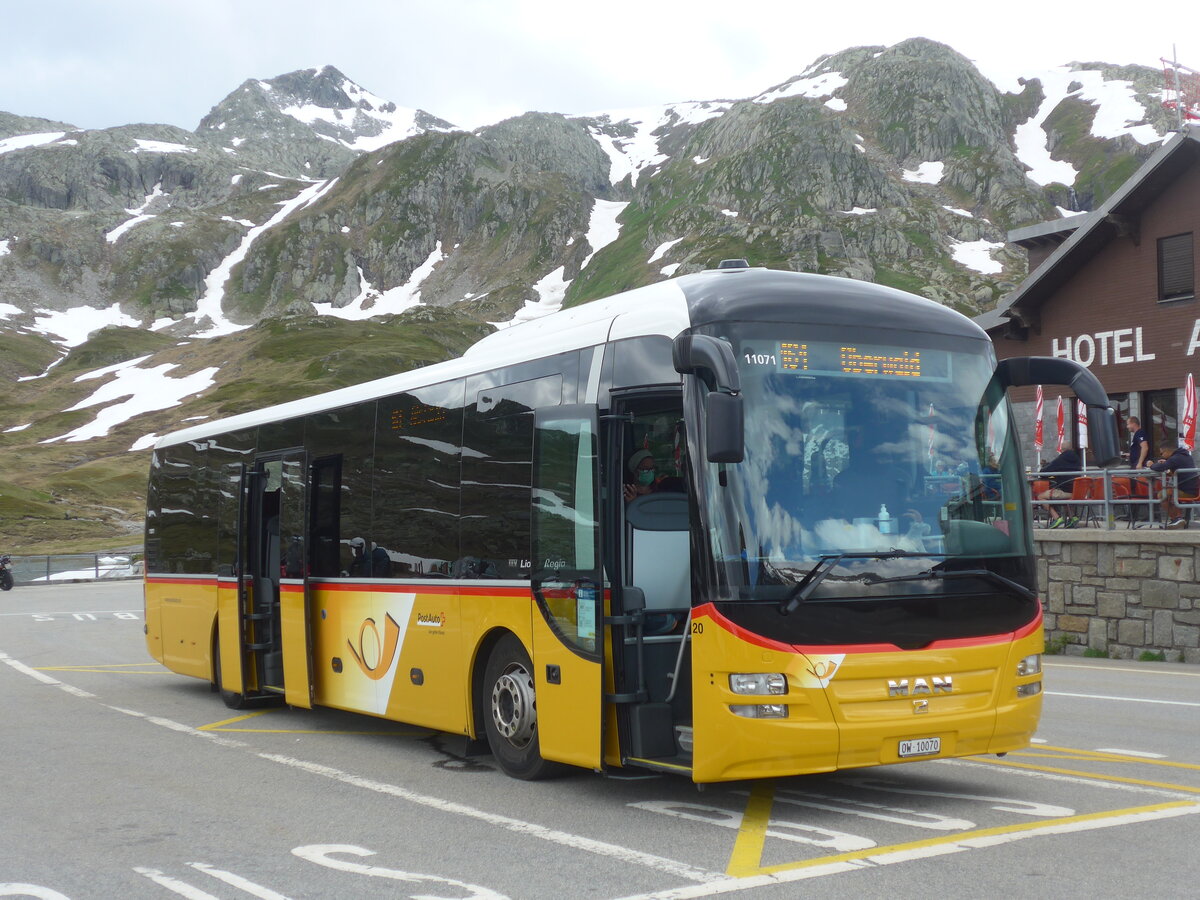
column 665, row 308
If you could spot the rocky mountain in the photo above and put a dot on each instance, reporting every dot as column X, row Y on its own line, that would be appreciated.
column 309, row 234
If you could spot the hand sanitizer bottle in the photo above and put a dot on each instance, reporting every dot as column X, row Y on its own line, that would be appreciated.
column 885, row 520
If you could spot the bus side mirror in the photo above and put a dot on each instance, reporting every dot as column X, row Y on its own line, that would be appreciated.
column 724, row 424
column 1103, row 435
column 1104, row 439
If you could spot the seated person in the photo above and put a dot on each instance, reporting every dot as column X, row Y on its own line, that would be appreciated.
column 1188, row 483
column 1061, row 485
column 645, row 478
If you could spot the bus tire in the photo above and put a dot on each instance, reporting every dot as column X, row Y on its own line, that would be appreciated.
column 510, row 712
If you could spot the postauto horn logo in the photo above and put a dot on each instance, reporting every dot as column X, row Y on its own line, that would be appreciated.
column 374, row 654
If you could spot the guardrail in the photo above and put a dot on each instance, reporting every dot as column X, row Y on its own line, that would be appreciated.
column 1111, row 498
column 43, row 570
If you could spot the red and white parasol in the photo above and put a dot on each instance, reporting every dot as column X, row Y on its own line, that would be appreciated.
column 1187, row 428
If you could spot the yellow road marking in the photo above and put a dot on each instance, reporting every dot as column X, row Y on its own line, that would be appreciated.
column 1099, row 776
column 217, row 725
column 946, row 843
column 746, row 857
column 109, row 669
column 224, row 725
column 1102, row 756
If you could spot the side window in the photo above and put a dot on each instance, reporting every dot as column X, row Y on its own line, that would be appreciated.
column 185, row 526
column 497, row 476
column 325, row 516
column 349, row 433
column 565, row 525
column 417, row 456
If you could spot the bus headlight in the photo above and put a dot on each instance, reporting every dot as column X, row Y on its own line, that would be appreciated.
column 758, row 683
column 1029, row 690
column 1030, row 665
column 761, row 711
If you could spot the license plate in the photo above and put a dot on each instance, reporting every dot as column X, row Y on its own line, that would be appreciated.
column 920, row 747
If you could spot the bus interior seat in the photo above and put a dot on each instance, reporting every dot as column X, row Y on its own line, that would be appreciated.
column 658, row 556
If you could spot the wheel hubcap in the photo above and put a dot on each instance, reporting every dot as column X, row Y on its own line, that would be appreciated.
column 513, row 711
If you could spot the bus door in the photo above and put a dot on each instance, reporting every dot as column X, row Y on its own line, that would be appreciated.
column 274, row 585
column 567, row 582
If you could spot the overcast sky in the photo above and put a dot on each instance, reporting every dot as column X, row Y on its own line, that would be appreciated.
column 98, row 64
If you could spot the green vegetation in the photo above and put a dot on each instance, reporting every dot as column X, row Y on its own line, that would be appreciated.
column 1152, row 656
column 1058, row 644
column 1095, row 653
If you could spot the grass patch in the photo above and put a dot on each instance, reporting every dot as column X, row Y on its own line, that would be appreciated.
column 1153, row 656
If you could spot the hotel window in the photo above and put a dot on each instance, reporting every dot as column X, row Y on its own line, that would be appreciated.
column 1176, row 270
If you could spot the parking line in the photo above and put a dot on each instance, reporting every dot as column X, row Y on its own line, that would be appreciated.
column 746, row 857
column 1119, row 779
column 1141, row 759
column 940, row 846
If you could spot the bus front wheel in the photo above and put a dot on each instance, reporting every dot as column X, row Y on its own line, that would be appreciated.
column 510, row 719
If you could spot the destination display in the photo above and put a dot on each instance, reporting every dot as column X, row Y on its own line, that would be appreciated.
column 849, row 359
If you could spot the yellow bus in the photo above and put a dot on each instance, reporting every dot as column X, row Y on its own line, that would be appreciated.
column 738, row 524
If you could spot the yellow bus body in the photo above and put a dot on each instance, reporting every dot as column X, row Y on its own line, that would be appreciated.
column 410, row 652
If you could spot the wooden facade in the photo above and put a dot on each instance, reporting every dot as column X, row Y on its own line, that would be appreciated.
column 1098, row 297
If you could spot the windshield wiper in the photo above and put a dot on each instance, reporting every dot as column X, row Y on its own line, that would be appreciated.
column 804, row 588
column 946, row 574
column 825, row 566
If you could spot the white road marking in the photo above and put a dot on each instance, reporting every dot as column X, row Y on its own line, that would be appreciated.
column 1181, row 673
column 1002, row 804
column 174, row 885
column 797, row 832
column 1140, row 754
column 889, row 857
column 237, row 881
column 565, row 838
column 319, row 854
column 1076, row 779
column 878, row 811
column 17, row 889
column 1122, row 699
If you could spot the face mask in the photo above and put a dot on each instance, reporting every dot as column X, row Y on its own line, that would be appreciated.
column 646, row 476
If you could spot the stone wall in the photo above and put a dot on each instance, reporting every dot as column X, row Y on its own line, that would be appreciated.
column 1121, row 592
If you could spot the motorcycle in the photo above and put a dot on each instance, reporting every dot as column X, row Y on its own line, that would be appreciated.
column 6, row 575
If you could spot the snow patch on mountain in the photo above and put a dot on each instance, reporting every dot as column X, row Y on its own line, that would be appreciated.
column 21, row 141
column 926, row 173
column 1118, row 113
column 139, row 390
column 209, row 308
column 146, row 146
column 139, row 215
column 603, row 227
column 73, row 326
column 373, row 121
column 632, row 155
column 373, row 302
column 813, row 88
column 977, row 255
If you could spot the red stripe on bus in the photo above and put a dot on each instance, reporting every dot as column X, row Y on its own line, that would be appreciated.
column 423, row 587
column 201, row 580
column 709, row 611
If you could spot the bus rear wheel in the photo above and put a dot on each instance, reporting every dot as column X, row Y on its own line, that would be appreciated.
column 510, row 718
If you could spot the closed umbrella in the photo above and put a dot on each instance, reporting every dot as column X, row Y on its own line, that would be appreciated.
column 1081, row 419
column 1061, row 424
column 1037, row 427
column 1187, row 428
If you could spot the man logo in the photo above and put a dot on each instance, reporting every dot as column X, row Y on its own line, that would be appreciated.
column 934, row 685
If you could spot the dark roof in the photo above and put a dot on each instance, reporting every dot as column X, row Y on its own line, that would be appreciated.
column 1115, row 217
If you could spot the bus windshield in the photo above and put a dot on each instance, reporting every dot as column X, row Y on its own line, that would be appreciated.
column 876, row 456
